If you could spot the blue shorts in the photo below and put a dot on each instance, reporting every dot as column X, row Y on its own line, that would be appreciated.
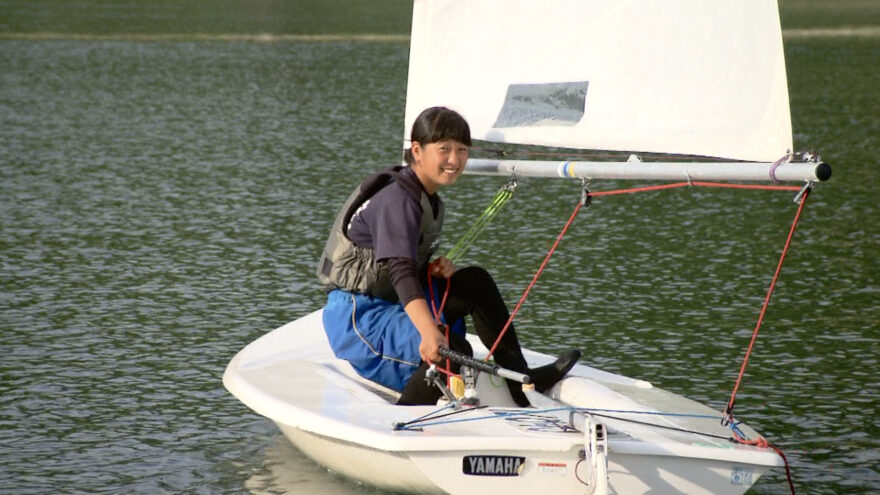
column 375, row 335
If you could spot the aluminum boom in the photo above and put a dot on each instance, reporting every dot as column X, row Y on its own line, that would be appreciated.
column 636, row 169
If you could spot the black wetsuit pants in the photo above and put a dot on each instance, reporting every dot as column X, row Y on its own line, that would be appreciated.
column 473, row 292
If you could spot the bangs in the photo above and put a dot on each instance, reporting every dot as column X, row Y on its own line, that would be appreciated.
column 450, row 125
column 438, row 124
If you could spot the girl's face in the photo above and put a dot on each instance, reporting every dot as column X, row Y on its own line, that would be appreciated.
column 439, row 164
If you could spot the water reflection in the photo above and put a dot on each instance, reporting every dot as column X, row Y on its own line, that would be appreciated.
column 287, row 470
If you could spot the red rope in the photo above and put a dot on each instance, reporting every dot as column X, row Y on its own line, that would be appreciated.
column 639, row 189
column 696, row 184
column 438, row 312
column 787, row 467
column 762, row 443
column 742, row 370
column 747, row 186
column 434, row 309
column 534, row 280
column 611, row 193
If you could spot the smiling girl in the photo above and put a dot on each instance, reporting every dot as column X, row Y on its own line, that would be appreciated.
column 375, row 268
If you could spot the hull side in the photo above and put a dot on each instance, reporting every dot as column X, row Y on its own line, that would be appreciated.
column 543, row 472
column 388, row 470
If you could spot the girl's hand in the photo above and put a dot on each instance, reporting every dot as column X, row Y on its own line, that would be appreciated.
column 442, row 267
column 429, row 347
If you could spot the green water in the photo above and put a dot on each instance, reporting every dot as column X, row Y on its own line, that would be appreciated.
column 162, row 205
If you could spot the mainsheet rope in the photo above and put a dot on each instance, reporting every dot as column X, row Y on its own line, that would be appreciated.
column 585, row 200
column 760, row 442
column 732, row 402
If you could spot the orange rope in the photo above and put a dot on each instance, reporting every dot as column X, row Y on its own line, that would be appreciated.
column 534, row 279
column 747, row 186
column 742, row 370
column 438, row 312
column 759, row 442
column 762, row 443
column 695, row 183
column 611, row 193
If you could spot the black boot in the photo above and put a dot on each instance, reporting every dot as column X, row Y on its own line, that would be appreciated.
column 548, row 375
column 544, row 377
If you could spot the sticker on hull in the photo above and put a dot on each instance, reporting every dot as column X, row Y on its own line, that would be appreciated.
column 541, row 423
column 553, row 468
column 741, row 476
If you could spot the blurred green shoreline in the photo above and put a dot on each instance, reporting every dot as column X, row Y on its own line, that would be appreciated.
column 320, row 20
column 180, row 37
column 866, row 32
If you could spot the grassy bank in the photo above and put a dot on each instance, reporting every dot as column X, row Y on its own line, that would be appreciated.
column 178, row 17
column 137, row 19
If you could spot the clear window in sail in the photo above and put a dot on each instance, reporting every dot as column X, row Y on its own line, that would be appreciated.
column 529, row 105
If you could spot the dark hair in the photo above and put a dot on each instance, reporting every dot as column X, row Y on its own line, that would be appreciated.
column 436, row 124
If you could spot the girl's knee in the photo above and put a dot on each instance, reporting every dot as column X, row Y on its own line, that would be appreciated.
column 472, row 274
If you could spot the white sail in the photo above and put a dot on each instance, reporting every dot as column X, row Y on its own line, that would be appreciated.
column 688, row 77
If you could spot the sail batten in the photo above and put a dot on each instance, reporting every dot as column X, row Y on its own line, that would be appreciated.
column 686, row 77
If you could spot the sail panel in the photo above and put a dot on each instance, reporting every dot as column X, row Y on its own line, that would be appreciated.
column 683, row 77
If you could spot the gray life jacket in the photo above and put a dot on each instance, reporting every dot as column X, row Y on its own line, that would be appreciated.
column 347, row 266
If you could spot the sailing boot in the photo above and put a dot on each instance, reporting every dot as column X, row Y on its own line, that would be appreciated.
column 544, row 377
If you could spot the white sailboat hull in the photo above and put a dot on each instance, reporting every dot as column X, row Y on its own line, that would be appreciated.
column 347, row 424
column 428, row 472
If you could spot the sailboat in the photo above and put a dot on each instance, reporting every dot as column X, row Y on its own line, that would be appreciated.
column 674, row 80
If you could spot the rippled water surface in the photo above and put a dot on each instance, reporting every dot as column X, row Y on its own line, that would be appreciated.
column 163, row 205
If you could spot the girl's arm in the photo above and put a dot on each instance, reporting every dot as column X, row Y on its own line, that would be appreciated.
column 432, row 338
